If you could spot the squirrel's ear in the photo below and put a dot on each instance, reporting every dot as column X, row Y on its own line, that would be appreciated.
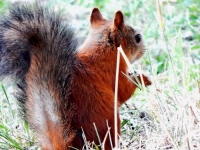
column 118, row 25
column 119, row 19
column 95, row 16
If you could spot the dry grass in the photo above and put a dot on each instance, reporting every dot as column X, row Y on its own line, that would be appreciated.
column 170, row 120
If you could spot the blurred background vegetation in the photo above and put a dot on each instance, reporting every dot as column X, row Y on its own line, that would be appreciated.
column 171, row 31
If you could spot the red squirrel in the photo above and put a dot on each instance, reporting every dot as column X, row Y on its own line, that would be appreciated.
column 63, row 87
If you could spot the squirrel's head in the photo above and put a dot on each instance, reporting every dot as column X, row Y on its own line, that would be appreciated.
column 116, row 33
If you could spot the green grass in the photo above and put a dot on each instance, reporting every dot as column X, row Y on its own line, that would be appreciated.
column 167, row 114
column 14, row 132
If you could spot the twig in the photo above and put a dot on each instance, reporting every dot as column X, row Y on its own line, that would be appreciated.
column 115, row 98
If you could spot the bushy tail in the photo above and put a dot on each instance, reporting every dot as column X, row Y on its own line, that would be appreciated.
column 37, row 50
column 29, row 28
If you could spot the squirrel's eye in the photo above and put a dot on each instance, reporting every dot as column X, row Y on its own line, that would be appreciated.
column 138, row 38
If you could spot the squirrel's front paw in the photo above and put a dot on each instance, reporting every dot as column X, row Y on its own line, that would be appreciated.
column 146, row 80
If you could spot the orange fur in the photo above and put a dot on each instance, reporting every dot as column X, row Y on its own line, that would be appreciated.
column 94, row 79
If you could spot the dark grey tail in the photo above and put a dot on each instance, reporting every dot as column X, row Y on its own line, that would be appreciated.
column 32, row 30
column 36, row 43
column 37, row 49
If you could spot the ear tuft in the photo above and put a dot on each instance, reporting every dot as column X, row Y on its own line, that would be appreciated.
column 95, row 16
column 119, row 19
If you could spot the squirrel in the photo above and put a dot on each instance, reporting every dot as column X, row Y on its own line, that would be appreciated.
column 64, row 86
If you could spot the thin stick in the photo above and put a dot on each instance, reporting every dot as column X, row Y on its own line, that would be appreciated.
column 162, row 26
column 125, row 58
column 104, row 141
column 97, row 133
column 109, row 135
column 115, row 100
